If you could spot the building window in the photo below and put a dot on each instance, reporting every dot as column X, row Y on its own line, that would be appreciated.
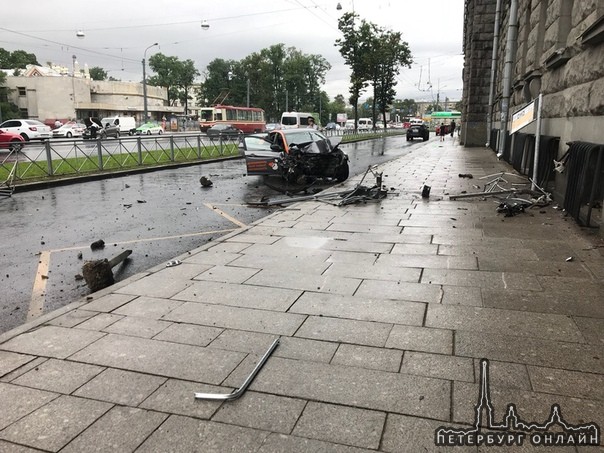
column 22, row 91
column 23, row 113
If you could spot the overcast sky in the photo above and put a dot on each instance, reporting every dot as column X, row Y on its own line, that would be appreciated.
column 117, row 34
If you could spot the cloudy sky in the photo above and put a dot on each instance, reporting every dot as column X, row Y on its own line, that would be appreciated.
column 117, row 34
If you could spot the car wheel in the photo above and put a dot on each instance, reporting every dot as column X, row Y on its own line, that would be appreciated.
column 25, row 137
column 117, row 134
column 342, row 172
column 161, row 131
column 15, row 146
column 68, row 135
column 425, row 137
column 148, row 132
column 408, row 138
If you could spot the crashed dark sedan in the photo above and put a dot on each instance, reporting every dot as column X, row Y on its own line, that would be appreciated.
column 95, row 130
column 297, row 155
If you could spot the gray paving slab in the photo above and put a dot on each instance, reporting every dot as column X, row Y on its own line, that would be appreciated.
column 505, row 374
column 530, row 351
column 36, row 362
column 569, row 383
column 237, row 318
column 212, row 258
column 108, row 303
column 189, row 334
column 252, row 238
column 503, row 322
column 100, row 321
column 367, row 357
column 591, row 329
column 120, row 429
column 482, row 279
column 541, row 267
column 188, row 434
column 365, row 228
column 413, row 338
column 480, row 251
column 414, row 292
column 54, row 425
column 137, row 327
column 120, row 387
column 154, row 286
column 72, row 318
column 530, row 406
column 17, row 401
column 414, row 249
column 345, row 331
column 438, row 365
column 278, row 443
column 307, row 265
column 305, row 282
column 245, row 296
column 285, row 251
column 370, row 389
column 360, row 258
column 184, row 271
column 304, row 349
column 148, row 307
column 51, row 341
column 228, row 274
column 150, row 356
column 376, row 271
column 341, row 424
column 177, row 397
column 243, row 341
column 60, row 376
column 429, row 261
column 9, row 447
column 462, row 295
column 404, row 434
column 10, row 361
column 262, row 411
column 228, row 247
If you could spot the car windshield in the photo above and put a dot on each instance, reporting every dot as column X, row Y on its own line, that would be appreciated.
column 289, row 121
column 299, row 137
column 34, row 123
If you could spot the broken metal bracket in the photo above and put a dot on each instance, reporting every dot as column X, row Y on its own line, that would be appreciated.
column 237, row 393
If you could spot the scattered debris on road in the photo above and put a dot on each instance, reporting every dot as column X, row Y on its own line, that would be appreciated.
column 466, row 175
column 205, row 182
column 173, row 263
column 97, row 245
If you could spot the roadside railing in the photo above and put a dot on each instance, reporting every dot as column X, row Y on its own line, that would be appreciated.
column 74, row 157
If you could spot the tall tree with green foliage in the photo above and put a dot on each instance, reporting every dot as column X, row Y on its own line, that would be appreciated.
column 355, row 47
column 97, row 73
column 175, row 75
column 390, row 52
column 8, row 110
column 17, row 59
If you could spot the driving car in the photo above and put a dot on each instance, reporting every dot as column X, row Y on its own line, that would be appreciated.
column 223, row 130
column 69, row 129
column 149, row 128
column 95, row 129
column 12, row 141
column 418, row 131
column 297, row 155
column 28, row 129
column 272, row 126
column 332, row 127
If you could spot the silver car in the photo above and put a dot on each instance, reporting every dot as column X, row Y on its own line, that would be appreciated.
column 28, row 129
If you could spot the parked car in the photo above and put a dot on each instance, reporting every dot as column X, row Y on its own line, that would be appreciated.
column 149, row 128
column 28, row 129
column 272, row 126
column 70, row 129
column 297, row 155
column 332, row 127
column 223, row 130
column 12, row 141
column 418, row 131
column 96, row 130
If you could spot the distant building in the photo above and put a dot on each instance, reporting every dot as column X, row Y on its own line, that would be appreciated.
column 50, row 93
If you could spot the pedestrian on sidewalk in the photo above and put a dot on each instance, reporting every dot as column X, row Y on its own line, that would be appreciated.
column 452, row 127
column 441, row 132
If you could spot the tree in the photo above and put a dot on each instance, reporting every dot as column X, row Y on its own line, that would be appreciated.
column 17, row 59
column 355, row 48
column 390, row 53
column 97, row 73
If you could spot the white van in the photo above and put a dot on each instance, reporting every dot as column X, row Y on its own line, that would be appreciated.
column 365, row 123
column 127, row 124
column 292, row 120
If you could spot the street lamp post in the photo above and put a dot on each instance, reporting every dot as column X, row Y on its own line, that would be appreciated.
column 145, row 81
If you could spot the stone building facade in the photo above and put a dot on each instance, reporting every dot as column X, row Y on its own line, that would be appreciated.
column 559, row 53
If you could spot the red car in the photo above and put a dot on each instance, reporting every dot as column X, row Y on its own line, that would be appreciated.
column 12, row 141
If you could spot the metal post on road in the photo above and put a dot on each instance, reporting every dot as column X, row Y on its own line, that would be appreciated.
column 48, row 157
column 199, row 146
column 172, row 148
column 139, row 148
column 99, row 150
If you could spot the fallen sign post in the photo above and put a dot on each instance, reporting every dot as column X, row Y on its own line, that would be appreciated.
column 98, row 274
column 237, row 393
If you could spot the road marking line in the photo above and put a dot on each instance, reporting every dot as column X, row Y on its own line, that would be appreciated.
column 225, row 215
column 160, row 238
column 38, row 296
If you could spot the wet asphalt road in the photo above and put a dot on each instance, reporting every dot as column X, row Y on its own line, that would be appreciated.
column 158, row 215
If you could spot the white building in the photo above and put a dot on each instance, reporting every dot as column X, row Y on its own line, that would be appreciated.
column 51, row 93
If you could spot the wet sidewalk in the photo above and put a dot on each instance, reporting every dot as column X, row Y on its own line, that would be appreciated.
column 383, row 311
